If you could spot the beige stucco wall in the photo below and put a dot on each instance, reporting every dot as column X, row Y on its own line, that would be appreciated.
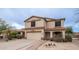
column 51, row 24
column 63, row 33
column 39, row 23
column 27, row 24
column 62, row 23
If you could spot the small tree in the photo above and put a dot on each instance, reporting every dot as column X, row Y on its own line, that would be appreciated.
column 69, row 30
column 5, row 28
column 69, row 33
column 3, row 25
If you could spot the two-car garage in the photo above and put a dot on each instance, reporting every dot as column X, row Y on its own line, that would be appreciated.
column 34, row 35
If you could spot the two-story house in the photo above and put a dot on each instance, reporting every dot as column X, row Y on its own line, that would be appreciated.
column 41, row 27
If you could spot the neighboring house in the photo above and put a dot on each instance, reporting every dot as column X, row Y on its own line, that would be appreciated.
column 20, row 32
column 41, row 27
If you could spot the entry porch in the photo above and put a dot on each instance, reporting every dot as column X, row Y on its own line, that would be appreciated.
column 54, row 34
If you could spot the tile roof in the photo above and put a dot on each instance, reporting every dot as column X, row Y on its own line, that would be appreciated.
column 45, row 18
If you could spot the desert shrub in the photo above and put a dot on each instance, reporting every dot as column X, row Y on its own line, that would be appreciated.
column 68, row 38
column 9, row 37
column 19, row 36
column 45, row 38
column 58, row 39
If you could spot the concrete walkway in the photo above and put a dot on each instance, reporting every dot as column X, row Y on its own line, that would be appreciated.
column 21, row 44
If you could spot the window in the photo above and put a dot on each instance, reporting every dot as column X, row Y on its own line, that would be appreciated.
column 33, row 24
column 58, row 23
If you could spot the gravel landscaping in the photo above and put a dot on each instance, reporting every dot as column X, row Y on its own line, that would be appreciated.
column 60, row 46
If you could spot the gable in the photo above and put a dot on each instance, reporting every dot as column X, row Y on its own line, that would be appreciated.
column 34, row 18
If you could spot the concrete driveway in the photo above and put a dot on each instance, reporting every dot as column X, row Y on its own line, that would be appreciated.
column 20, row 44
column 23, row 44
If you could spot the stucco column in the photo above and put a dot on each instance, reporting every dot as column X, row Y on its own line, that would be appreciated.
column 21, row 33
column 43, row 33
column 63, row 34
column 25, row 34
column 51, row 34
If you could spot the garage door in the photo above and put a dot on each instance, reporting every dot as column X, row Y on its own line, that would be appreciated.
column 35, row 36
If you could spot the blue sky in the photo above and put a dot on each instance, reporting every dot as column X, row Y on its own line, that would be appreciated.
column 16, row 16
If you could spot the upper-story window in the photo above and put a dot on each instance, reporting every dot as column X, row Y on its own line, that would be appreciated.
column 57, row 23
column 33, row 24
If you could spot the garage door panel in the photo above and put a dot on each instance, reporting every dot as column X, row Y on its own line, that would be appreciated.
column 35, row 36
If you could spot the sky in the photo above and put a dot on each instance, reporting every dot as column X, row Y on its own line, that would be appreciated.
column 16, row 16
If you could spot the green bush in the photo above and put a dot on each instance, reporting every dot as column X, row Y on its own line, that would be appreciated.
column 13, row 34
column 19, row 36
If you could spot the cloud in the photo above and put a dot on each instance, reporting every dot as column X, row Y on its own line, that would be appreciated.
column 76, row 25
column 16, row 25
